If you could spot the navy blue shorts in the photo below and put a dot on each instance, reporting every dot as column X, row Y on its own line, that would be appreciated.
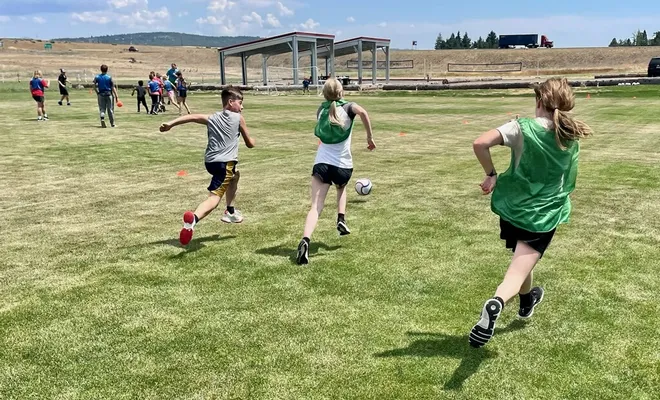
column 222, row 173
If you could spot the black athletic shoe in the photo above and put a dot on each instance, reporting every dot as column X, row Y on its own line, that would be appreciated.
column 343, row 228
column 483, row 331
column 303, row 253
column 537, row 297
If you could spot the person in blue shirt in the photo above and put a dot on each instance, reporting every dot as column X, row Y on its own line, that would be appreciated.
column 171, row 76
column 169, row 89
column 154, row 92
column 107, row 95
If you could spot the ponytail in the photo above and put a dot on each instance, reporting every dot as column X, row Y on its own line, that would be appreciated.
column 568, row 129
column 332, row 114
column 557, row 98
column 333, row 91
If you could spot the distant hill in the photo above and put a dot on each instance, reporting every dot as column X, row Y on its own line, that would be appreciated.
column 163, row 39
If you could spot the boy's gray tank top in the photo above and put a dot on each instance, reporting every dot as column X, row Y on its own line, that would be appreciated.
column 223, row 132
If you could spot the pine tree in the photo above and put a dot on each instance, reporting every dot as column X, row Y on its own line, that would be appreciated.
column 466, row 41
column 451, row 42
column 656, row 39
column 492, row 41
column 614, row 43
column 457, row 42
column 440, row 42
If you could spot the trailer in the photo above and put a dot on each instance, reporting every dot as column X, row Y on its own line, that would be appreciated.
column 530, row 41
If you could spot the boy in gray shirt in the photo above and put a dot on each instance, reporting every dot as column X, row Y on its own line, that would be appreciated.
column 221, row 157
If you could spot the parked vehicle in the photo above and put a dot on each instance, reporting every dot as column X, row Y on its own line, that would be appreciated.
column 132, row 49
column 527, row 40
column 654, row 67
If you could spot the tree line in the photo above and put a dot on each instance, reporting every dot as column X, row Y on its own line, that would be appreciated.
column 639, row 38
column 456, row 41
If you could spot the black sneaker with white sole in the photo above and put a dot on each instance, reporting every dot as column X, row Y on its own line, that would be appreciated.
column 537, row 297
column 483, row 331
column 343, row 228
column 303, row 253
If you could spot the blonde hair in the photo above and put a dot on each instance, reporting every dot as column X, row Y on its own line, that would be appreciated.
column 333, row 91
column 37, row 74
column 557, row 97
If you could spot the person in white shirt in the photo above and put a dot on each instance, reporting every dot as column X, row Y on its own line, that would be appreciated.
column 334, row 161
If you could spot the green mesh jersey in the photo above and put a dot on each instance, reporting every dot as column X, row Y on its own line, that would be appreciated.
column 533, row 194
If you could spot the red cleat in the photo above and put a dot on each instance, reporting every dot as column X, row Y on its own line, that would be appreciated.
column 186, row 234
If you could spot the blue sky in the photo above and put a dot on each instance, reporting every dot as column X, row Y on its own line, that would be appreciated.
column 569, row 23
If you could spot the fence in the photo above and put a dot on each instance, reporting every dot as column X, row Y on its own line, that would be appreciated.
column 368, row 64
column 490, row 67
column 80, row 76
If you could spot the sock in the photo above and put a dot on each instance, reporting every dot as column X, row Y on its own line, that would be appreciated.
column 500, row 300
column 196, row 219
column 340, row 217
column 230, row 209
column 525, row 300
column 306, row 239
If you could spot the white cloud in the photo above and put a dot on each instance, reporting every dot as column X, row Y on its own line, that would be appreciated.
column 98, row 17
column 350, row 19
column 144, row 17
column 128, row 3
column 182, row 14
column 253, row 17
column 220, row 5
column 4, row 18
column 284, row 11
column 210, row 20
column 310, row 24
column 39, row 20
column 383, row 24
column 273, row 21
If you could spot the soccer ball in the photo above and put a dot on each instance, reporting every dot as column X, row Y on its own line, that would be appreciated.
column 363, row 186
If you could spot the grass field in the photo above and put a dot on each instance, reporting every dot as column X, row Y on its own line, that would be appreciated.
column 99, row 301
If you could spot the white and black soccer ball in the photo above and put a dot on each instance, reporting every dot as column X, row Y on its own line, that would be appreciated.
column 363, row 186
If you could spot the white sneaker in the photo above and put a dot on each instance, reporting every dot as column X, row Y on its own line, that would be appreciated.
column 235, row 218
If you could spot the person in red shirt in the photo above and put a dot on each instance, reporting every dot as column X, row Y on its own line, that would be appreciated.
column 37, row 87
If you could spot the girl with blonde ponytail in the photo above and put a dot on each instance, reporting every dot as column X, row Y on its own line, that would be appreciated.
column 334, row 161
column 532, row 196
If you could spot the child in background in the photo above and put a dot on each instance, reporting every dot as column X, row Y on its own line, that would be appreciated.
column 141, row 96
column 532, row 196
column 161, row 101
column 182, row 92
column 334, row 161
column 223, row 130
column 38, row 87
column 64, row 92
column 169, row 89
column 153, row 93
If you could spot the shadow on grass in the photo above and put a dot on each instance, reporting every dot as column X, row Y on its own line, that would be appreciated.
column 194, row 245
column 442, row 345
column 290, row 253
column 357, row 201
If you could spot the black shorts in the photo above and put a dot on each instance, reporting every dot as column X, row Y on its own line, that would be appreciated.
column 223, row 173
column 183, row 94
column 538, row 241
column 63, row 91
column 332, row 175
column 38, row 99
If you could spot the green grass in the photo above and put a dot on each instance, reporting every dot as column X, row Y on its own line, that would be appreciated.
column 98, row 300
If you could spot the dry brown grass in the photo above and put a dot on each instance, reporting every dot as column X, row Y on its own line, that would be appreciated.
column 24, row 56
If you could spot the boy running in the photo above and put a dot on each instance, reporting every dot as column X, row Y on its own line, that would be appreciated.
column 532, row 196
column 334, row 161
column 107, row 95
column 38, row 86
column 141, row 96
column 223, row 130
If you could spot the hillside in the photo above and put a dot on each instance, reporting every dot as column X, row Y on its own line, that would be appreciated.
column 200, row 64
column 163, row 39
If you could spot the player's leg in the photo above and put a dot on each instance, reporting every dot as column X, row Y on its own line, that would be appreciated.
column 101, row 101
column 341, row 177
column 232, row 215
column 111, row 110
column 43, row 107
column 185, row 103
column 172, row 100
column 319, row 191
column 522, row 264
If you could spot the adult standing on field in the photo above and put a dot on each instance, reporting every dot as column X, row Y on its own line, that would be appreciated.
column 107, row 95
column 64, row 92
column 171, row 76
